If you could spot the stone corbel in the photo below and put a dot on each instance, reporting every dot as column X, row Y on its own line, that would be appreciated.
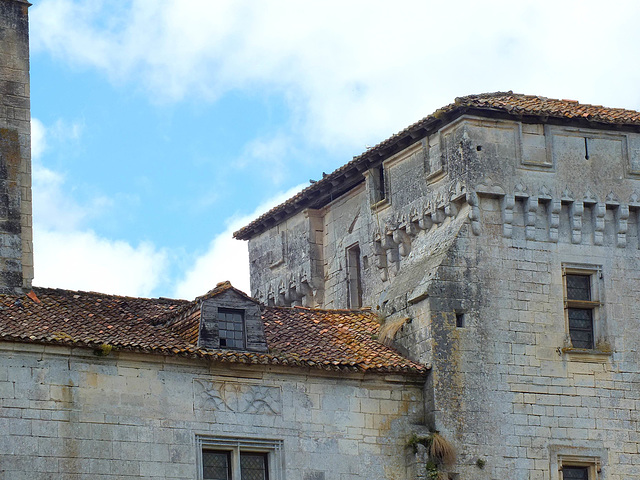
column 258, row 295
column 403, row 240
column 425, row 222
column 414, row 220
column 391, row 248
column 576, row 212
column 294, row 294
column 438, row 216
column 271, row 297
column 530, row 212
column 474, row 213
column 600, row 210
column 282, row 294
column 508, row 203
column 411, row 228
column 622, row 217
column 307, row 294
column 381, row 259
column 554, row 219
column 456, row 201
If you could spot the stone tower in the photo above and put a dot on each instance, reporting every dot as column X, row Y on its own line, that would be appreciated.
column 16, row 237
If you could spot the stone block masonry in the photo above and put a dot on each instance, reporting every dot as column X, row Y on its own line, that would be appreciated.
column 16, row 245
column 69, row 414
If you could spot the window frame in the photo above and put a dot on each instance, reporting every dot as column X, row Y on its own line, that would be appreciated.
column 235, row 446
column 592, row 463
column 241, row 312
column 378, row 184
column 594, row 304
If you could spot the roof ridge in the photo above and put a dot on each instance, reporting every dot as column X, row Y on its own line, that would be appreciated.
column 110, row 295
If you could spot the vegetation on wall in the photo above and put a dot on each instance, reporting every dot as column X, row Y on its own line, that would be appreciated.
column 440, row 453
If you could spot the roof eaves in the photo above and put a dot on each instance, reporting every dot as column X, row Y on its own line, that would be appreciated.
column 479, row 104
column 343, row 178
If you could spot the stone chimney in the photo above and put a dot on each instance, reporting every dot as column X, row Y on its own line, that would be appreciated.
column 16, row 237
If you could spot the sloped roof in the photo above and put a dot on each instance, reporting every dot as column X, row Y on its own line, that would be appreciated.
column 222, row 287
column 323, row 339
column 528, row 108
column 331, row 337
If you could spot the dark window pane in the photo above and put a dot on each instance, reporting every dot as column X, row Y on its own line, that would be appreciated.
column 581, row 327
column 215, row 465
column 575, row 473
column 231, row 328
column 579, row 287
column 253, row 466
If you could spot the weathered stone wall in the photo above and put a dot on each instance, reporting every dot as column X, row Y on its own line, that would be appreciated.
column 478, row 222
column 16, row 246
column 286, row 262
column 67, row 414
column 527, row 165
column 507, row 387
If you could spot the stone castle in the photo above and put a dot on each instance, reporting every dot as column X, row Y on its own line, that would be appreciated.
column 458, row 302
column 499, row 240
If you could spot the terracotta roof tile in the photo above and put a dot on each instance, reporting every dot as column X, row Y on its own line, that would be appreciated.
column 332, row 337
column 498, row 103
column 329, row 340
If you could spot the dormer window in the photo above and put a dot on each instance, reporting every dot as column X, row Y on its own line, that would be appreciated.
column 229, row 319
column 231, row 328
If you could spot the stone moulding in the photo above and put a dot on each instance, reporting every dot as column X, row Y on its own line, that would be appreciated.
column 237, row 397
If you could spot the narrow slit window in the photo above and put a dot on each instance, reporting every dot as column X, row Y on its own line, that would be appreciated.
column 354, row 277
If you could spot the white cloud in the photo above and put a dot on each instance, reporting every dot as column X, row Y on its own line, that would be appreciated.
column 63, row 130
column 226, row 258
column 352, row 71
column 38, row 139
column 269, row 154
column 69, row 255
column 81, row 259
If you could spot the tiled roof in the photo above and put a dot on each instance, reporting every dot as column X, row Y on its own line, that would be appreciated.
column 502, row 104
column 323, row 339
column 89, row 319
column 332, row 338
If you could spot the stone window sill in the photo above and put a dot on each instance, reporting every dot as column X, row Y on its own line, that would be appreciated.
column 587, row 354
column 381, row 205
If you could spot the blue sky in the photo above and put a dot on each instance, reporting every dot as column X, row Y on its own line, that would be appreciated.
column 159, row 127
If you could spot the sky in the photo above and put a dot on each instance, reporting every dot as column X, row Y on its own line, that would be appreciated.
column 159, row 127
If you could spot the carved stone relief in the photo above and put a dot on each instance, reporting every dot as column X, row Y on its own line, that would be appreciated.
column 237, row 397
